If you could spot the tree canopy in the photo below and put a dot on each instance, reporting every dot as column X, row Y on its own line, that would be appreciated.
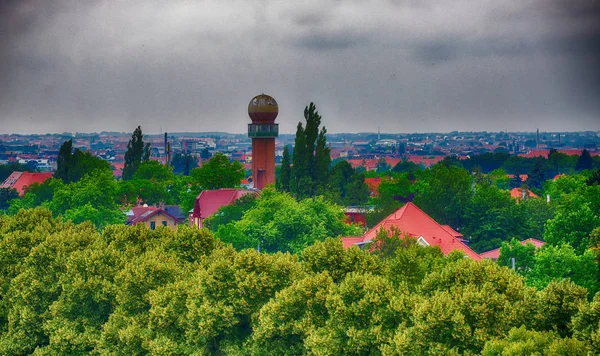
column 137, row 152
column 68, row 288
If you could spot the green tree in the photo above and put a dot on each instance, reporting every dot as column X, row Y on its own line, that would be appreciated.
column 311, row 159
column 183, row 163
column 322, row 163
column 521, row 341
column 536, row 178
column 572, row 226
column 154, row 171
column 283, row 183
column 7, row 169
column 300, row 184
column 6, row 195
column 72, row 165
column 136, row 153
column 345, row 186
column 92, row 198
column 286, row 321
column 443, row 193
column 499, row 178
column 391, row 193
column 586, row 323
column 523, row 255
column 584, row 161
column 230, row 213
column 218, row 173
column 280, row 223
column 492, row 216
column 557, row 263
column 594, row 179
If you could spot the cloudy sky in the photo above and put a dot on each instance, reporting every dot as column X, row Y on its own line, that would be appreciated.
column 401, row 65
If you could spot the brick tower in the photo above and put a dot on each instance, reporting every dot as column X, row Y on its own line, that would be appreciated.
column 263, row 110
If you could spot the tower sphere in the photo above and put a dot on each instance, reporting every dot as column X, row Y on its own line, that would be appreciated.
column 263, row 109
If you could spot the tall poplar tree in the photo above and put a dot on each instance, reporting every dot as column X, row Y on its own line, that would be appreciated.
column 300, row 173
column 283, row 183
column 322, row 163
column 136, row 153
column 311, row 159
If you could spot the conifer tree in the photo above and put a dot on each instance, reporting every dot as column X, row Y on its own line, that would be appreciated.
column 64, row 161
column 322, row 163
column 536, row 177
column 136, row 153
column 283, row 183
column 300, row 173
column 584, row 161
column 311, row 159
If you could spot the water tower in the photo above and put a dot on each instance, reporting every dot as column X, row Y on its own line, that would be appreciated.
column 263, row 110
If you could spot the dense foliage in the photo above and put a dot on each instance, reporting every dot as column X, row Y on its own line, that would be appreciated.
column 137, row 152
column 73, row 164
column 69, row 289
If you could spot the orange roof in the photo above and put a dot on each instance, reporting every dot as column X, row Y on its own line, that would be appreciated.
column 373, row 184
column 414, row 222
column 427, row 161
column 495, row 253
column 517, row 193
column 522, row 176
column 20, row 180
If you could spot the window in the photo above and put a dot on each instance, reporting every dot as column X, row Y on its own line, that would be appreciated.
column 152, row 225
column 164, row 223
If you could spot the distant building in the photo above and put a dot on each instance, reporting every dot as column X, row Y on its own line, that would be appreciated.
column 20, row 180
column 412, row 221
column 209, row 202
column 152, row 217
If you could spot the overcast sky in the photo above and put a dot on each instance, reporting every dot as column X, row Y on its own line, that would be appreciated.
column 401, row 65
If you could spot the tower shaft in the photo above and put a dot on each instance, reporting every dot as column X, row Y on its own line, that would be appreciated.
column 263, row 162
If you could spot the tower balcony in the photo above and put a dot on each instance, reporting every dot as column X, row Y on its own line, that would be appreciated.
column 263, row 130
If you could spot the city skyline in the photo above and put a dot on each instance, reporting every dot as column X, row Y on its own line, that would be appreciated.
column 412, row 66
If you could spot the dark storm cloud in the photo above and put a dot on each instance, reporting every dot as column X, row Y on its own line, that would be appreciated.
column 405, row 65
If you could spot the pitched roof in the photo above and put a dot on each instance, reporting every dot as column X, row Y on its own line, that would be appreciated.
column 208, row 202
column 517, row 193
column 495, row 253
column 20, row 180
column 414, row 222
column 142, row 213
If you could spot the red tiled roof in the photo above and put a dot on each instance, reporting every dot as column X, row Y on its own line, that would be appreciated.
column 349, row 241
column 451, row 231
column 413, row 221
column 373, row 184
column 371, row 164
column 522, row 176
column 20, row 180
column 425, row 160
column 495, row 253
column 209, row 201
column 544, row 153
column 517, row 193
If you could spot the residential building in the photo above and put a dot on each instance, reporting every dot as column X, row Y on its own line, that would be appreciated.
column 414, row 222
